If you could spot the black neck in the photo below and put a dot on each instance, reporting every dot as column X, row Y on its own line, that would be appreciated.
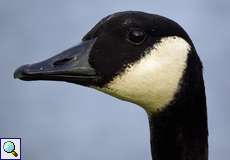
column 179, row 132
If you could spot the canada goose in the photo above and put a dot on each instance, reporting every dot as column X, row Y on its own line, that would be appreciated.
column 148, row 60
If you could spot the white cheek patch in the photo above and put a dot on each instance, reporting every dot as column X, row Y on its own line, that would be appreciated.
column 152, row 81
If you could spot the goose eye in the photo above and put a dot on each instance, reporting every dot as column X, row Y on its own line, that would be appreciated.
column 136, row 36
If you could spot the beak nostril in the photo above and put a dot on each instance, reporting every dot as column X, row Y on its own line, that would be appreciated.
column 62, row 61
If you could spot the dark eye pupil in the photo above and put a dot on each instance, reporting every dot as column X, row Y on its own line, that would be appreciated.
column 136, row 36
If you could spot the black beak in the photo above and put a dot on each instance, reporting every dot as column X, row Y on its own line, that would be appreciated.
column 71, row 65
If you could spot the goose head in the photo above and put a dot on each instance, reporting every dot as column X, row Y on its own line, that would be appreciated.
column 134, row 56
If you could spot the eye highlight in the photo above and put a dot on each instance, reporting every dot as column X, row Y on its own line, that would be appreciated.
column 136, row 36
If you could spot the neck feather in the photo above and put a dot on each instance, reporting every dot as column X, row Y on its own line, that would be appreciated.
column 180, row 132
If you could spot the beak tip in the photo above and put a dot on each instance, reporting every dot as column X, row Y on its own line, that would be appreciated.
column 20, row 72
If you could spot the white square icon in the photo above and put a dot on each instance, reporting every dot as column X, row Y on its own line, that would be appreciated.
column 10, row 148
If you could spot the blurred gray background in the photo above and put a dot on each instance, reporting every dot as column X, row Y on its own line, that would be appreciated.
column 60, row 121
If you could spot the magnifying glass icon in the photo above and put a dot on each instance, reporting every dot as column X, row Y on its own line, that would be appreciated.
column 9, row 147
